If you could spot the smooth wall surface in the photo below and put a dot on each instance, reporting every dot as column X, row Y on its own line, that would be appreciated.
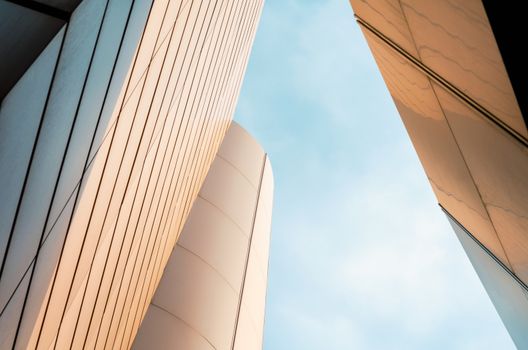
column 212, row 293
column 445, row 73
column 509, row 298
column 105, row 142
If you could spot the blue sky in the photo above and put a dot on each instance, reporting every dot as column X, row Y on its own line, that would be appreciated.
column 361, row 255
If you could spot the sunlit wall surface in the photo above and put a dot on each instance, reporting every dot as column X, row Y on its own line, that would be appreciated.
column 212, row 293
column 106, row 136
column 447, row 76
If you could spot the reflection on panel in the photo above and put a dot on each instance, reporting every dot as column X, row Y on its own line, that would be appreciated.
column 454, row 38
column 387, row 17
column 213, row 288
column 499, row 166
column 508, row 296
column 434, row 143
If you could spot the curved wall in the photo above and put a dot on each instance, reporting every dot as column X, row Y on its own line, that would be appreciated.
column 104, row 144
column 212, row 293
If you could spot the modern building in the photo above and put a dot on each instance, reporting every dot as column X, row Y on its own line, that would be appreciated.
column 212, row 293
column 112, row 115
column 452, row 70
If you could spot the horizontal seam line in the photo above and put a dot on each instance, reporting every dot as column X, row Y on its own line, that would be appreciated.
column 185, row 323
column 224, row 213
column 237, row 169
column 208, row 264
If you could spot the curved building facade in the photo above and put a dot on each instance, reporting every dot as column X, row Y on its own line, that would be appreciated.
column 112, row 113
column 212, row 293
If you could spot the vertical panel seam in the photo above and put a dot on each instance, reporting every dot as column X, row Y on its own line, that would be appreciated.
column 241, row 295
column 89, row 275
column 470, row 173
column 155, row 242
